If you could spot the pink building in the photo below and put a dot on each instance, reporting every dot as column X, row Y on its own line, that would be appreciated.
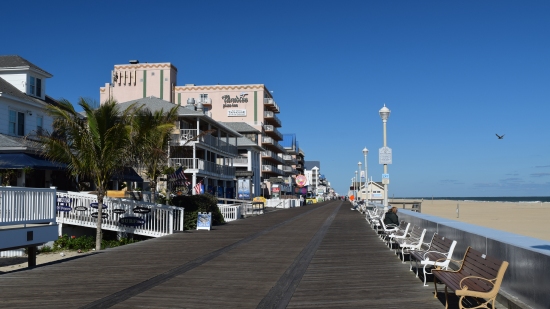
column 251, row 104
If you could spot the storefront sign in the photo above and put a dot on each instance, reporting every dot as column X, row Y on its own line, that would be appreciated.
column 131, row 221
column 142, row 210
column 95, row 205
column 243, row 189
column 103, row 215
column 204, row 220
column 236, row 113
column 301, row 180
column 119, row 211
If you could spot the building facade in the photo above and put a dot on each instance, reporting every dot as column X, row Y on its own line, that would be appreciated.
column 23, row 118
column 251, row 104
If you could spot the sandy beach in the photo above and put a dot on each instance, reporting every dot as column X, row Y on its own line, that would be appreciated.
column 526, row 218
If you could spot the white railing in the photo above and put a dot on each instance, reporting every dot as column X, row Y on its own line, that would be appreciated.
column 26, row 206
column 230, row 212
column 128, row 216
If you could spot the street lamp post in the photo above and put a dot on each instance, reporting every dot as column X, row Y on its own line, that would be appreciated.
column 359, row 165
column 355, row 186
column 385, row 114
column 365, row 152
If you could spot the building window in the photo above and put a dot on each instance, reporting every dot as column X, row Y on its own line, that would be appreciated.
column 204, row 96
column 35, row 86
column 38, row 87
column 16, row 123
column 32, row 85
column 39, row 125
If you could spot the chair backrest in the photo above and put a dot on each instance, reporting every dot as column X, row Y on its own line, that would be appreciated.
column 417, row 232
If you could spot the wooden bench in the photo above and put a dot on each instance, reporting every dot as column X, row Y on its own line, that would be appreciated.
column 479, row 277
column 439, row 253
column 411, row 243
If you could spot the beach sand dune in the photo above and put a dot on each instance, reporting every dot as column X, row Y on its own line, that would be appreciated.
column 523, row 218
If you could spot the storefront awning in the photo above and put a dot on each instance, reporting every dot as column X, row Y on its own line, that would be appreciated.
column 23, row 160
column 128, row 174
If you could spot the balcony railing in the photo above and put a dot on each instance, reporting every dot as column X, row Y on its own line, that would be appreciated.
column 240, row 161
column 271, row 103
column 269, row 129
column 204, row 166
column 271, row 154
column 189, row 136
column 272, row 169
column 271, row 117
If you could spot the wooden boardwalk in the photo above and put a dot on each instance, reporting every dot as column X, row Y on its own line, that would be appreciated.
column 319, row 256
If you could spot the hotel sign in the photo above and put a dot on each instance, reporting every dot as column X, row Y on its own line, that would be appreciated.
column 236, row 113
column 228, row 101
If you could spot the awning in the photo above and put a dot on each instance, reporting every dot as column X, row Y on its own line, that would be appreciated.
column 128, row 174
column 22, row 160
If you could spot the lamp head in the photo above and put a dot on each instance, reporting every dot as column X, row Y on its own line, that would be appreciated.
column 384, row 113
column 365, row 151
column 359, row 164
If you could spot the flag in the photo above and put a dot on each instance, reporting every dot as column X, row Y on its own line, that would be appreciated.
column 198, row 187
column 180, row 175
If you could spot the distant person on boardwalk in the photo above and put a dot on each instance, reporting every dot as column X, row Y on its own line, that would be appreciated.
column 301, row 200
column 391, row 217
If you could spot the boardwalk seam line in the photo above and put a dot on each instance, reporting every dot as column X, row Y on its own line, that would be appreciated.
column 280, row 294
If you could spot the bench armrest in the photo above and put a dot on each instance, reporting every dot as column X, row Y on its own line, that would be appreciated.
column 446, row 259
column 491, row 281
column 433, row 251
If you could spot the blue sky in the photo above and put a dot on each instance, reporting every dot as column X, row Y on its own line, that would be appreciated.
column 453, row 74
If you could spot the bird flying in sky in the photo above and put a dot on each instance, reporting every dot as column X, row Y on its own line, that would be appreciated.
column 500, row 136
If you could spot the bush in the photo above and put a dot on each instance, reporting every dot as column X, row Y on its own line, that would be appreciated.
column 84, row 243
column 194, row 204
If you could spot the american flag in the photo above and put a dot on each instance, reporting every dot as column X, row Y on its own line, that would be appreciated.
column 179, row 175
column 198, row 187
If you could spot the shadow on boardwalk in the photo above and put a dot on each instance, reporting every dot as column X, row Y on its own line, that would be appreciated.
column 318, row 256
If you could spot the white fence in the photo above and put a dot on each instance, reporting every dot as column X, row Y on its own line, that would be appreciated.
column 26, row 206
column 121, row 215
column 230, row 212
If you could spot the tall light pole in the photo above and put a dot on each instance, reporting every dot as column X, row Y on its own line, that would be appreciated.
column 359, row 165
column 355, row 186
column 385, row 114
column 365, row 152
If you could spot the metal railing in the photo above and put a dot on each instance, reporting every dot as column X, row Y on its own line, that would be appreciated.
column 271, row 115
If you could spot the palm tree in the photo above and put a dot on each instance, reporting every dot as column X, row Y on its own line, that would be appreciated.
column 93, row 145
column 150, row 135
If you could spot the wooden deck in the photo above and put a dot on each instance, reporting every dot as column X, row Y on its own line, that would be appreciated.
column 318, row 256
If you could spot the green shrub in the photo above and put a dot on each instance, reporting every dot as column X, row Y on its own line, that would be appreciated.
column 85, row 243
column 198, row 203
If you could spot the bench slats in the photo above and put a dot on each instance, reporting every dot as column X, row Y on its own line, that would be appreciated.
column 475, row 264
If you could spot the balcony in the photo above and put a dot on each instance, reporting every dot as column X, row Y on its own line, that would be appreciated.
column 289, row 159
column 192, row 165
column 271, row 169
column 271, row 155
column 240, row 161
column 273, row 132
column 188, row 137
column 271, row 105
column 271, row 118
